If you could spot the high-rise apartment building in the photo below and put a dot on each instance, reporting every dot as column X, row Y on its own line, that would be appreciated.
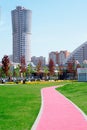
column 59, row 57
column 21, row 29
column 54, row 57
column 36, row 60
column 62, row 56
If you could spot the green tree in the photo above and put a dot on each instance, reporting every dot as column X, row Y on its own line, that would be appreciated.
column 29, row 70
column 16, row 71
column 2, row 74
column 46, row 71
column 0, row 71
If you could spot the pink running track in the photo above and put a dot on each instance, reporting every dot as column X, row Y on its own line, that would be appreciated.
column 58, row 113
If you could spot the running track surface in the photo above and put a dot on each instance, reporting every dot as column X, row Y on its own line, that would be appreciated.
column 58, row 113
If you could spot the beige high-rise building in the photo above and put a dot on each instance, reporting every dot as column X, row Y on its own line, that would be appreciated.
column 59, row 57
column 62, row 56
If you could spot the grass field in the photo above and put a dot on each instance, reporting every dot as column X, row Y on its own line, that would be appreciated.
column 20, row 104
column 77, row 93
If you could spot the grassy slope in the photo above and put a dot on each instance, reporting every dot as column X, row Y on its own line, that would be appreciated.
column 77, row 92
column 19, row 105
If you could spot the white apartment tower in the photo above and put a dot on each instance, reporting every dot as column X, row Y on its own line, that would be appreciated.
column 21, row 29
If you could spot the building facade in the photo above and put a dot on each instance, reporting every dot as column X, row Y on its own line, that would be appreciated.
column 21, row 30
column 59, row 57
column 82, row 74
column 79, row 54
column 54, row 56
column 62, row 56
column 36, row 60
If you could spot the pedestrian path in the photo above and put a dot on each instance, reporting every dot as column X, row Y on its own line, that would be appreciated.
column 57, row 113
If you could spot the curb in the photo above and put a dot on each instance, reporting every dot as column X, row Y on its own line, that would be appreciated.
column 39, row 114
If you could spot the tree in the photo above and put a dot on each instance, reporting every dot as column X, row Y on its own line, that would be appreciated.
column 29, row 70
column 2, row 74
column 51, row 67
column 16, row 71
column 72, row 68
column 85, row 64
column 39, row 67
column 61, row 72
column 46, row 71
column 23, row 66
column 6, row 64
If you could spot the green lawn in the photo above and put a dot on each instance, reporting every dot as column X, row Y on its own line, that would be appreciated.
column 20, row 104
column 76, row 92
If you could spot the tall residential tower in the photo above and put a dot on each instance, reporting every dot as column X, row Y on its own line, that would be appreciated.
column 21, row 29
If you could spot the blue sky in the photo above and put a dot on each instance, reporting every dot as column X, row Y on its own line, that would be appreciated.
column 56, row 25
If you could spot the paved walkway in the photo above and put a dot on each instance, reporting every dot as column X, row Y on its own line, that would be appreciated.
column 57, row 113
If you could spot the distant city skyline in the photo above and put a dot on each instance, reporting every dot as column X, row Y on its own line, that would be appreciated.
column 56, row 25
